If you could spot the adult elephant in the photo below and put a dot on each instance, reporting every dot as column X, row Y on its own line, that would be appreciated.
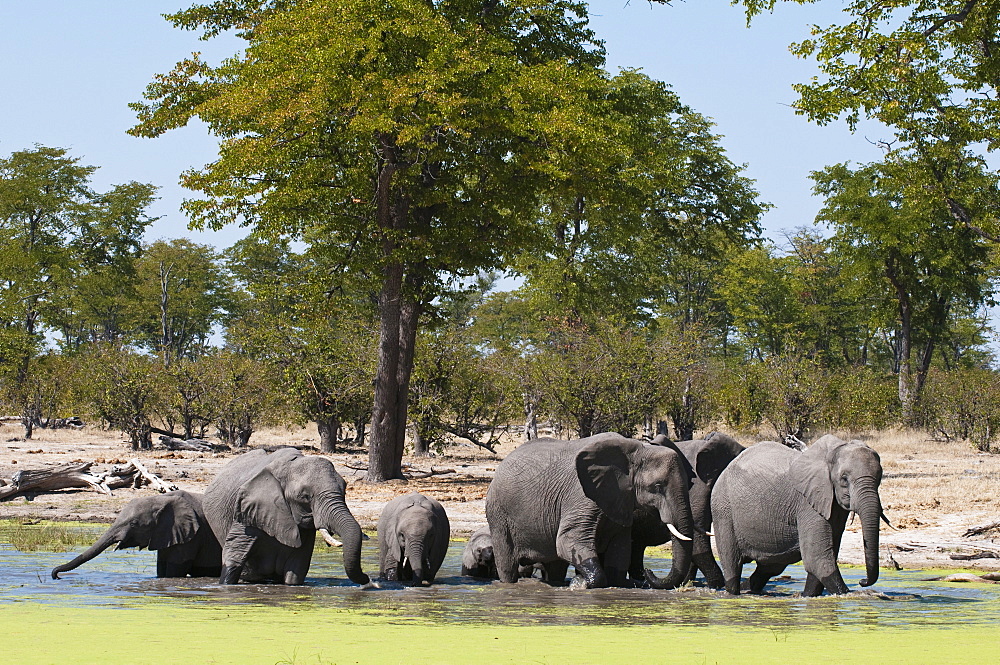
column 413, row 537
column 172, row 524
column 707, row 459
column 778, row 506
column 265, row 509
column 573, row 502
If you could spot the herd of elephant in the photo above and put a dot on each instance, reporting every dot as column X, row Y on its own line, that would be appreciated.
column 594, row 503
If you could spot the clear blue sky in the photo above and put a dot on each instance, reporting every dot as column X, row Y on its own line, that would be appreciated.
column 69, row 68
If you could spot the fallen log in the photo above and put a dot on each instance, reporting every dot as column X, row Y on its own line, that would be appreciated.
column 978, row 530
column 435, row 471
column 64, row 476
column 151, row 478
column 197, row 445
column 981, row 554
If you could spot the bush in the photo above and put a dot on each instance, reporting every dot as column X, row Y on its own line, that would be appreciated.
column 963, row 404
column 126, row 390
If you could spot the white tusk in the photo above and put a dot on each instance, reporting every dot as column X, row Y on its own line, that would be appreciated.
column 330, row 540
column 677, row 533
column 711, row 533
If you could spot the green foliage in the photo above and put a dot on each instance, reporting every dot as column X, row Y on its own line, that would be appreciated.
column 458, row 391
column 599, row 378
column 964, row 404
column 63, row 247
column 241, row 392
column 688, row 380
column 125, row 389
column 182, row 293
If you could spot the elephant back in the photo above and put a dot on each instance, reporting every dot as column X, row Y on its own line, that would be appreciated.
column 222, row 495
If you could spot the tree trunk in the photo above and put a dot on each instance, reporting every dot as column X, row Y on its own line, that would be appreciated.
column 531, row 419
column 420, row 447
column 409, row 316
column 359, row 431
column 391, row 211
column 906, row 392
column 328, row 428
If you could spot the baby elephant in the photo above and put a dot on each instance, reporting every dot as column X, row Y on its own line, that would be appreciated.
column 477, row 559
column 413, row 535
column 173, row 524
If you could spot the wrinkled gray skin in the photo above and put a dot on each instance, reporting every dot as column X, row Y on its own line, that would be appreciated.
column 707, row 458
column 413, row 536
column 171, row 524
column 572, row 502
column 265, row 509
column 477, row 557
column 777, row 506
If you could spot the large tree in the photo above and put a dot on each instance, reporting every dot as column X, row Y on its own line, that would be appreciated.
column 411, row 137
column 61, row 243
column 927, row 70
column 926, row 263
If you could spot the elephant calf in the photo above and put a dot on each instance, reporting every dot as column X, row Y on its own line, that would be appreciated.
column 413, row 536
column 477, row 558
column 173, row 525
column 777, row 506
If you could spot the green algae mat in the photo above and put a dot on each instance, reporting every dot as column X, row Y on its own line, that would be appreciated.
column 36, row 633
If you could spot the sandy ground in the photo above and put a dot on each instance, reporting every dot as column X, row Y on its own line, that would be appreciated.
column 932, row 491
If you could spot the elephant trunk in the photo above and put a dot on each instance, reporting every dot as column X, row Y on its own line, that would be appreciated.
column 681, row 556
column 109, row 538
column 338, row 518
column 868, row 506
column 415, row 554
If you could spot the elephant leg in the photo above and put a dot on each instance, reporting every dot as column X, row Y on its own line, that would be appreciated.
column 636, row 569
column 575, row 544
column 730, row 557
column 554, row 572
column 617, row 558
column 169, row 565
column 764, row 572
column 704, row 560
column 813, row 587
column 503, row 553
column 239, row 542
column 818, row 546
column 297, row 564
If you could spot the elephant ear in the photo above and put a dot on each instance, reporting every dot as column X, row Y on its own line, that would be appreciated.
column 811, row 474
column 719, row 450
column 175, row 523
column 261, row 504
column 604, row 470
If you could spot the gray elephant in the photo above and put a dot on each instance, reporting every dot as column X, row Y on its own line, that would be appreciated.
column 265, row 509
column 778, row 506
column 173, row 525
column 573, row 502
column 707, row 458
column 413, row 537
column 477, row 557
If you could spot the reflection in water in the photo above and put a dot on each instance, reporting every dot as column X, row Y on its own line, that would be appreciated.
column 118, row 579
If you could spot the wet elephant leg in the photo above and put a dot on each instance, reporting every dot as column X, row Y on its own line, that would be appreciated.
column 554, row 572
column 760, row 577
column 617, row 558
column 239, row 542
column 813, row 586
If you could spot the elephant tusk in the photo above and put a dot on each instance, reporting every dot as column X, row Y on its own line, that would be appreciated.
column 329, row 539
column 677, row 533
column 888, row 523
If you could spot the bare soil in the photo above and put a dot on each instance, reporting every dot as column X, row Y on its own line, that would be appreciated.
column 932, row 491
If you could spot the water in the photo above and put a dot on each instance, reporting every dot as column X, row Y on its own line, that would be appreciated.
column 127, row 579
